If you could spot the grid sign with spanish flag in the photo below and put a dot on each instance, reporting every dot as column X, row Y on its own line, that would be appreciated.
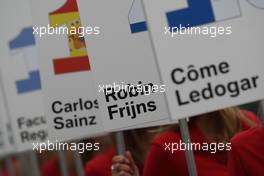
column 70, row 97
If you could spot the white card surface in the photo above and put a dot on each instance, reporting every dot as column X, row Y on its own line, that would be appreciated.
column 121, row 54
column 203, row 72
column 20, row 75
column 6, row 136
column 70, row 97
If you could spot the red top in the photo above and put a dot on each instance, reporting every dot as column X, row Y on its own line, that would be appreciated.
column 4, row 172
column 160, row 162
column 52, row 168
column 247, row 155
column 101, row 164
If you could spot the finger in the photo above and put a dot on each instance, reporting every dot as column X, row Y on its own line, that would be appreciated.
column 114, row 170
column 120, row 159
column 122, row 173
column 130, row 158
column 126, row 168
column 122, row 167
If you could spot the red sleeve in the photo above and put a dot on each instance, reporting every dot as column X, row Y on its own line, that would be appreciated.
column 158, row 162
column 98, row 167
column 252, row 117
column 101, row 164
column 235, row 165
column 89, row 171
column 51, row 168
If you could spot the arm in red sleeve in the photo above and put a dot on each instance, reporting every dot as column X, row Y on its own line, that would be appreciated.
column 89, row 171
column 253, row 117
column 159, row 162
column 235, row 166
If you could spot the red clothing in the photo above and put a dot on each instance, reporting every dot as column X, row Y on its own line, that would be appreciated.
column 163, row 162
column 52, row 168
column 101, row 164
column 247, row 155
column 4, row 171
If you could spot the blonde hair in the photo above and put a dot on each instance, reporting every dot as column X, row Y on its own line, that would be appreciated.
column 224, row 124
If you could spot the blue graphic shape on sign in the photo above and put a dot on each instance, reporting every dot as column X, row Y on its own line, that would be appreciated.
column 137, row 18
column 198, row 13
column 26, row 39
column 31, row 84
column 138, row 27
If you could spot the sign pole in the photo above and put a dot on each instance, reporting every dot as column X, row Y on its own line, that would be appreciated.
column 78, row 163
column 25, row 164
column 188, row 153
column 120, row 141
column 1, row 169
column 35, row 163
column 62, row 160
column 9, row 166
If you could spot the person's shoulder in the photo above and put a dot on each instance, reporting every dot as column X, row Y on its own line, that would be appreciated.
column 50, row 167
column 251, row 116
column 101, row 164
column 247, row 135
column 247, row 150
column 166, row 137
column 252, row 120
